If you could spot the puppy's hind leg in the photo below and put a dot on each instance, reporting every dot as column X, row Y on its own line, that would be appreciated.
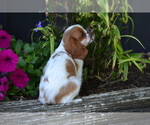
column 69, row 91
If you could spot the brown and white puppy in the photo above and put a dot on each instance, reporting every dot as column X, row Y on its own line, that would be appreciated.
column 62, row 75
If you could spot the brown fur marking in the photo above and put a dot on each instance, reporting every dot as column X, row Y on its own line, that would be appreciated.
column 65, row 90
column 46, row 80
column 70, row 68
column 55, row 56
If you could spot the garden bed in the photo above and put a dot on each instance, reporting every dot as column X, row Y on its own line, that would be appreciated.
column 135, row 79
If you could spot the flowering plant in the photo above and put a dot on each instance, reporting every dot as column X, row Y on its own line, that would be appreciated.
column 10, row 74
column 32, row 59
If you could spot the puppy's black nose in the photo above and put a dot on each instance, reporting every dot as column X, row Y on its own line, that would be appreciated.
column 90, row 31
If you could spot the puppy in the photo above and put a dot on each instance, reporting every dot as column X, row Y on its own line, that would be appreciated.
column 62, row 75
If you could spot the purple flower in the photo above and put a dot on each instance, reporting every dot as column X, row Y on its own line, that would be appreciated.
column 38, row 25
column 19, row 78
column 5, row 39
column 8, row 61
column 3, row 87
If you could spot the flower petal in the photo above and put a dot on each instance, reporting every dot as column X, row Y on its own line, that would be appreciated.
column 8, row 61
column 5, row 39
column 19, row 78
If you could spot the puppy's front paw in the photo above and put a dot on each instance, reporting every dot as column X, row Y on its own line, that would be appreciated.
column 42, row 101
column 77, row 100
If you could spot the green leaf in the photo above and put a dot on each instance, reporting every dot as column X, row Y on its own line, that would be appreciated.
column 30, row 66
column 127, row 51
column 115, row 42
column 116, row 31
column 93, row 23
column 136, row 55
column 29, row 87
column 85, row 74
column 114, row 59
column 20, row 42
column 6, row 99
column 34, row 60
column 120, row 68
column 138, row 66
column 46, row 52
column 22, row 62
column 38, row 73
column 45, row 44
column 33, row 93
column 147, row 61
column 11, row 93
column 27, row 48
column 133, row 38
column 32, row 71
column 52, row 45
column 119, row 46
column 130, row 59
column 17, row 48
column 38, row 28
column 125, row 66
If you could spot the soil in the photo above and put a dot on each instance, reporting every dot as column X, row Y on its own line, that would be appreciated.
column 135, row 79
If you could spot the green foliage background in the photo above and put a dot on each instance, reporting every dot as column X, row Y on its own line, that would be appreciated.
column 106, row 59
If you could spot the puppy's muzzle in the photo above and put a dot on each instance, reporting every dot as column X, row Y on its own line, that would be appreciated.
column 91, row 33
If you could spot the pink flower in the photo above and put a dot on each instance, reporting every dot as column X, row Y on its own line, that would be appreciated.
column 3, row 87
column 8, row 61
column 2, row 96
column 5, row 39
column 19, row 78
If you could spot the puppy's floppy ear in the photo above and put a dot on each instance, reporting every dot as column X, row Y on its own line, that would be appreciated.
column 74, row 47
column 78, row 50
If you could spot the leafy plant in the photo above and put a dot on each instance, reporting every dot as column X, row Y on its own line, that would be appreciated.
column 107, row 51
column 33, row 57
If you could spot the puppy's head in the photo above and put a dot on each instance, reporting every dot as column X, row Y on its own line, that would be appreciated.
column 75, row 40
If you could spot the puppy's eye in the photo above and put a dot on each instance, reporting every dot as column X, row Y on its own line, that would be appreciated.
column 83, row 34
